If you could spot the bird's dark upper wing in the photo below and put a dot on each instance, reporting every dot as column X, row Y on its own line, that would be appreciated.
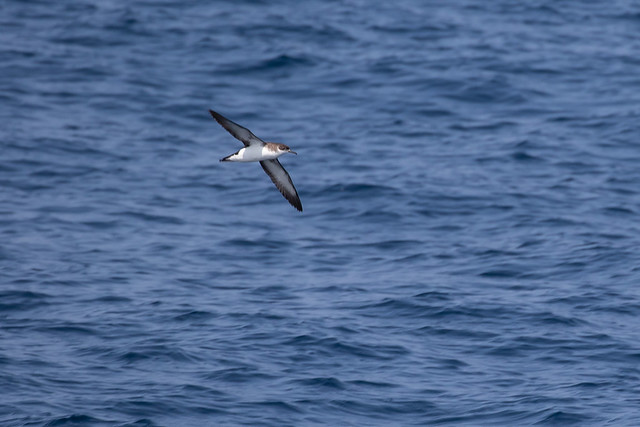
column 241, row 133
column 282, row 180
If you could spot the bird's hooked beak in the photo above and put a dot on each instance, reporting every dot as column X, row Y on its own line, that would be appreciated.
column 293, row 152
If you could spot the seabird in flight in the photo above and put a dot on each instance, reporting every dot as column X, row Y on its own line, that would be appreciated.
column 267, row 153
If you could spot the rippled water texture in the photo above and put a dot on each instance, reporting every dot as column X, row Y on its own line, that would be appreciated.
column 468, row 253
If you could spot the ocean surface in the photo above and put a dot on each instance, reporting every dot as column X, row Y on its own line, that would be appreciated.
column 469, row 250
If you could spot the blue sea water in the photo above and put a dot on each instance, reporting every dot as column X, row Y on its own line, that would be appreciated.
column 469, row 253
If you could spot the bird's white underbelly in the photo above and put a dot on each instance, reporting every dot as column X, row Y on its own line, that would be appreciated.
column 254, row 154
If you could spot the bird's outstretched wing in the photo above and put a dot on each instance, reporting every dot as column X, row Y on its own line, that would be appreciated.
column 282, row 180
column 241, row 133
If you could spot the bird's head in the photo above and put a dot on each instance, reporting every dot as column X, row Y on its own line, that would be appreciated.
column 285, row 149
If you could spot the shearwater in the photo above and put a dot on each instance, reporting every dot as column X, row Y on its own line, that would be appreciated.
column 267, row 153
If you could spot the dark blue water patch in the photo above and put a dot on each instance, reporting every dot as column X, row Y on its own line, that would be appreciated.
column 370, row 384
column 75, row 420
column 523, row 156
column 195, row 316
column 379, row 215
column 22, row 300
column 467, row 333
column 491, row 126
column 67, row 330
column 466, row 254
column 146, row 407
column 564, row 418
column 279, row 66
column 502, row 273
column 361, row 190
column 271, row 244
column 321, row 383
column 333, row 347
column 143, row 422
column 145, row 217
column 494, row 91
column 153, row 352
column 386, row 410
column 619, row 211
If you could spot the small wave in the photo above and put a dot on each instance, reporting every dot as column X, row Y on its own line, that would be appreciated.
column 523, row 156
column 279, row 63
column 332, row 347
column 22, row 300
column 152, row 352
column 360, row 189
column 564, row 418
column 75, row 419
column 68, row 329
column 194, row 315
column 245, row 374
column 142, row 422
column 383, row 409
column 322, row 382
column 147, row 217
column 260, row 243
